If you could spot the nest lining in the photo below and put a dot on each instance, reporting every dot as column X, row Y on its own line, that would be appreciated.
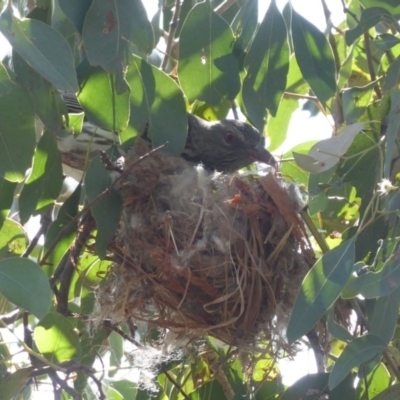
column 205, row 253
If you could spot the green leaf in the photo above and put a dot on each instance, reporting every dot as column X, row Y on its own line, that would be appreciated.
column 67, row 212
column 6, row 84
column 390, row 393
column 384, row 318
column 372, row 381
column 109, row 30
column 7, row 190
column 357, row 352
column 17, row 134
column 314, row 56
column 381, row 283
column 245, row 22
column 13, row 240
column 355, row 102
column 116, row 352
column 45, row 180
column 207, row 69
column 48, row 104
column 268, row 66
column 320, row 288
column 385, row 41
column 43, row 48
column 391, row 6
column 56, row 338
column 369, row 18
column 393, row 75
column 24, row 283
column 277, row 127
column 107, row 210
column 158, row 100
column 76, row 11
column 13, row 383
column 393, row 127
column 309, row 387
column 103, row 106
column 326, row 153
column 362, row 159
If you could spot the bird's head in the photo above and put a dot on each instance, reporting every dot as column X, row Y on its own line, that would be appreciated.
column 226, row 145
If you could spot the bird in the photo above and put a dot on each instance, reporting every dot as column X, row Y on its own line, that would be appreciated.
column 224, row 146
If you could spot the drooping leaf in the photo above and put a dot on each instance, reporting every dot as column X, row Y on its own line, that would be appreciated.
column 357, row 352
column 7, row 190
column 106, row 211
column 17, row 134
column 390, row 393
column 393, row 75
column 65, row 216
column 48, row 104
column 13, row 383
column 56, row 338
column 76, row 11
column 362, row 160
column 355, row 102
column 158, row 100
column 24, row 283
column 207, row 57
column 6, row 84
column 320, row 288
column 44, row 182
column 369, row 18
column 268, row 66
column 326, row 153
column 314, row 56
column 372, row 382
column 277, row 127
column 245, row 22
column 109, row 30
column 391, row 6
column 381, row 283
column 386, row 41
column 43, row 48
column 103, row 106
column 384, row 319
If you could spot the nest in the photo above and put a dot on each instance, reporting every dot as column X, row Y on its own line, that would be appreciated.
column 205, row 253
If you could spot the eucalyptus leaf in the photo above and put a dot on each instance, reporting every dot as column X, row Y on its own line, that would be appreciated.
column 314, row 56
column 24, row 283
column 42, row 47
column 209, row 58
column 320, row 288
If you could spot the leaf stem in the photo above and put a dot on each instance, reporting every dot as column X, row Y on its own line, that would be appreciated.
column 172, row 29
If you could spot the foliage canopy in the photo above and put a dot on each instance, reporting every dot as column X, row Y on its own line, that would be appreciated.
column 217, row 57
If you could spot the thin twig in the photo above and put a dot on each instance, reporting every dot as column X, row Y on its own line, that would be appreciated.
column 224, row 6
column 311, row 98
column 45, row 221
column 314, row 231
column 348, row 11
column 172, row 29
column 331, row 37
column 371, row 64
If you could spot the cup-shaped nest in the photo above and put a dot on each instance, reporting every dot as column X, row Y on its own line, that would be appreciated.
column 199, row 252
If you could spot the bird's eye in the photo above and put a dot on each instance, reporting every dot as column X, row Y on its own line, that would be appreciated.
column 229, row 137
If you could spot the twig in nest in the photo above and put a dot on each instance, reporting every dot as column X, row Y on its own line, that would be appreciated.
column 110, row 166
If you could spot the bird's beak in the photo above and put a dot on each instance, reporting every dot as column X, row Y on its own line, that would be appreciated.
column 261, row 154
